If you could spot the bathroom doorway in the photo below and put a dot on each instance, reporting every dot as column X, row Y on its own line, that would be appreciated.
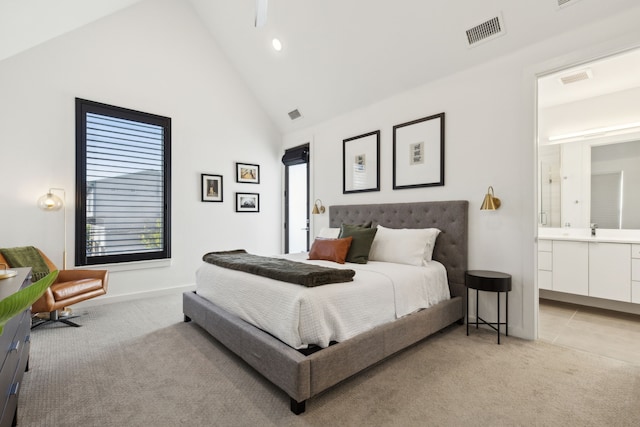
column 588, row 173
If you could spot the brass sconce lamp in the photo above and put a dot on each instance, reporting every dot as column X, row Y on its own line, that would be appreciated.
column 490, row 202
column 318, row 208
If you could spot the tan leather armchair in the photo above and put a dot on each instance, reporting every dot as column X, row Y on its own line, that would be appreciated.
column 70, row 287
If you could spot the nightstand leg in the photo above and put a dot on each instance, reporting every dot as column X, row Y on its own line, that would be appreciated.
column 477, row 315
column 506, row 325
column 466, row 299
column 498, row 325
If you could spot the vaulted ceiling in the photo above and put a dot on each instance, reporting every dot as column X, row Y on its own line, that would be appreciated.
column 338, row 55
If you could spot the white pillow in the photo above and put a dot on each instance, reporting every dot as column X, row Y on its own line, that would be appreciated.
column 432, row 235
column 329, row 233
column 403, row 245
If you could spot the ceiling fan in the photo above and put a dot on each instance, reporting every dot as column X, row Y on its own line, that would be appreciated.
column 261, row 13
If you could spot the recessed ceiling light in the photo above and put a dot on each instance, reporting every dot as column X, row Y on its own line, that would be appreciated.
column 277, row 44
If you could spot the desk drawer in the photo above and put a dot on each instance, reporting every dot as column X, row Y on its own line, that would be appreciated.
column 15, row 357
column 16, row 384
column 635, row 251
column 11, row 405
column 8, row 337
column 7, row 378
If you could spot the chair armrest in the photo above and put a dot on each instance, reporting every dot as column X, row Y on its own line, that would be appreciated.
column 48, row 303
column 45, row 301
column 71, row 275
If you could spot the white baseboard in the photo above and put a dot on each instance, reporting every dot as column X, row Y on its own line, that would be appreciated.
column 625, row 307
column 110, row 299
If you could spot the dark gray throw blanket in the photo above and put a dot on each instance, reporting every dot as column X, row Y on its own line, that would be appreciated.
column 279, row 269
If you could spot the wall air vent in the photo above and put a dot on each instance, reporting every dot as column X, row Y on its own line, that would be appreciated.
column 295, row 114
column 576, row 77
column 485, row 31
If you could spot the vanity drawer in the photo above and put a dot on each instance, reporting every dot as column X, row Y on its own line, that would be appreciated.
column 635, row 270
column 545, row 280
column 545, row 261
column 547, row 246
column 635, row 292
column 635, row 251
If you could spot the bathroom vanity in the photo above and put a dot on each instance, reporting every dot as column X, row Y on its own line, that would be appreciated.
column 605, row 266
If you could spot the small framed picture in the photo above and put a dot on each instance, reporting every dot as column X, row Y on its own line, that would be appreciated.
column 361, row 163
column 247, row 202
column 248, row 173
column 211, row 188
column 418, row 153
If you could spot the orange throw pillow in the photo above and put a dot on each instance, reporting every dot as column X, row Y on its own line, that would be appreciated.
column 330, row 249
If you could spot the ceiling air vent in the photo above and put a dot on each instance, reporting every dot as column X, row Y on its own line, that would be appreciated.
column 485, row 31
column 576, row 77
column 295, row 114
column 564, row 3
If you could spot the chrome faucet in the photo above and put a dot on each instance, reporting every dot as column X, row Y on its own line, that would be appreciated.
column 593, row 228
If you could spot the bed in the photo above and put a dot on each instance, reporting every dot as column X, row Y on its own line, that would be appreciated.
column 302, row 374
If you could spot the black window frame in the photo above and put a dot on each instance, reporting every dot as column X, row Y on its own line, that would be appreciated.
column 83, row 107
column 296, row 156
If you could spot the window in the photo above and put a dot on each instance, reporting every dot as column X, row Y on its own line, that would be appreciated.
column 123, row 181
column 296, row 199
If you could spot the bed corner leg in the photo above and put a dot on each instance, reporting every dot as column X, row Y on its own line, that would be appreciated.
column 298, row 407
column 187, row 318
column 460, row 321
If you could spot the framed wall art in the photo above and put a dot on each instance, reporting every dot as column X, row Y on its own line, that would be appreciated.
column 247, row 202
column 246, row 172
column 211, row 188
column 418, row 153
column 361, row 163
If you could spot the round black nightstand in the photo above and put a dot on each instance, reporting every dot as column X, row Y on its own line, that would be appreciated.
column 488, row 281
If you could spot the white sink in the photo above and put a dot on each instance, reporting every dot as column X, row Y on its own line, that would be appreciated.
column 584, row 234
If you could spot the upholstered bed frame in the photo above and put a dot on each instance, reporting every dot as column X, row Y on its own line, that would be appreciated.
column 304, row 376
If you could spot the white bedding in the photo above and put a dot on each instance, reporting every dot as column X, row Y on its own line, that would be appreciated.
column 299, row 316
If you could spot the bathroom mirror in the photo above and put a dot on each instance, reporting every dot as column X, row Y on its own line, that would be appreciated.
column 596, row 183
column 550, row 190
column 615, row 184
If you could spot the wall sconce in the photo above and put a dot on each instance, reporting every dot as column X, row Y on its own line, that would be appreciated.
column 51, row 202
column 490, row 202
column 318, row 208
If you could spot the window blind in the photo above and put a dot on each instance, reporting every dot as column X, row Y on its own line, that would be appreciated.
column 296, row 156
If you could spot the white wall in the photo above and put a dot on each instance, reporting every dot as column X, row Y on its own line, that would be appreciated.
column 490, row 140
column 612, row 109
column 158, row 58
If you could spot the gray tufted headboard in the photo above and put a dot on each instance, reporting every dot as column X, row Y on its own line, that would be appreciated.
column 451, row 217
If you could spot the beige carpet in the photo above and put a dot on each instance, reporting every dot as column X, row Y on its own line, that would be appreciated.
column 138, row 364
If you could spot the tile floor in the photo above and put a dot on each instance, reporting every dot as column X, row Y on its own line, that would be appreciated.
column 595, row 330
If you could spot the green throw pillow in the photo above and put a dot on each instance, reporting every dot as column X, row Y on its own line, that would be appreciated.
column 361, row 243
column 364, row 225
